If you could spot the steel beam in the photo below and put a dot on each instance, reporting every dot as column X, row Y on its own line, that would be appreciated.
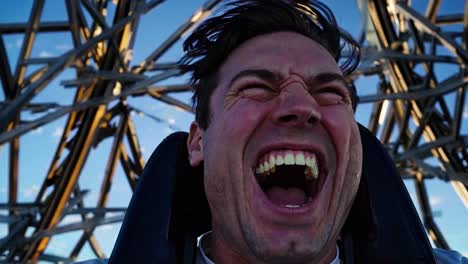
column 49, row 26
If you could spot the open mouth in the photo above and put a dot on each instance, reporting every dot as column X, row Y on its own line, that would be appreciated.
column 289, row 178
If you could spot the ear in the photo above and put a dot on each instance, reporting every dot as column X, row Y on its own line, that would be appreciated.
column 195, row 144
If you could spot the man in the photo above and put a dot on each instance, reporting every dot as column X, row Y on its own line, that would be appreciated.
column 279, row 98
column 275, row 132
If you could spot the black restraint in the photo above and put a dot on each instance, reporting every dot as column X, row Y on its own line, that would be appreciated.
column 168, row 211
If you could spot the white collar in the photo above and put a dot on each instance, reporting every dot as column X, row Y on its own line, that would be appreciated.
column 204, row 246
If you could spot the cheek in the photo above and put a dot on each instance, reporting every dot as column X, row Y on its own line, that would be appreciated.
column 340, row 125
column 241, row 119
column 346, row 137
column 345, row 134
column 226, row 138
column 355, row 154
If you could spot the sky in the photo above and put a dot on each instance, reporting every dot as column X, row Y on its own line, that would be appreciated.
column 38, row 146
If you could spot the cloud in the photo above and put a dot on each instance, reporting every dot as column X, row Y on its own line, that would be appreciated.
column 45, row 54
column 30, row 191
column 16, row 44
column 37, row 131
column 436, row 200
column 465, row 254
column 57, row 132
column 465, row 113
column 171, row 120
column 63, row 47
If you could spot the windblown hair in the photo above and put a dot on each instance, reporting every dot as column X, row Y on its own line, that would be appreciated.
column 212, row 41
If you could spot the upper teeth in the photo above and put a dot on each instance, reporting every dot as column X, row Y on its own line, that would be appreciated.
column 268, row 162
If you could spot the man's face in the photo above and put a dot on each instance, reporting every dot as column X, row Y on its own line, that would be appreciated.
column 280, row 102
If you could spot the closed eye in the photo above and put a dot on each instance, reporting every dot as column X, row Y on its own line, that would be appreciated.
column 256, row 91
column 251, row 86
column 333, row 90
column 332, row 95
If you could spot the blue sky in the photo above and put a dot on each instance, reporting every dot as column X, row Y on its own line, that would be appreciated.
column 38, row 147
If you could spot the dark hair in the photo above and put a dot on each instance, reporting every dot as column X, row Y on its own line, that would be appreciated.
column 212, row 41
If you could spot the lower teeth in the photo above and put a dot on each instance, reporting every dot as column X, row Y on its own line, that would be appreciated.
column 291, row 206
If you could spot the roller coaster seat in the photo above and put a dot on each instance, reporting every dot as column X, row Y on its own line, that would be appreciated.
column 169, row 210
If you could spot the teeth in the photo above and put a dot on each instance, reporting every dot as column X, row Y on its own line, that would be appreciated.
column 314, row 169
column 279, row 160
column 291, row 206
column 266, row 166
column 272, row 162
column 289, row 157
column 300, row 159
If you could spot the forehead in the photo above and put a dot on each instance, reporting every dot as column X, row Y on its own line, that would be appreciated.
column 282, row 52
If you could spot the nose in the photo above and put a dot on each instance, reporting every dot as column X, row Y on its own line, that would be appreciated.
column 297, row 107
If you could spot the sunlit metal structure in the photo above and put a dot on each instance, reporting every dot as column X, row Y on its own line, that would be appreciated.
column 417, row 112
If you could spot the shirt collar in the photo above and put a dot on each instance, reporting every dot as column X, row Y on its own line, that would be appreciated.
column 204, row 250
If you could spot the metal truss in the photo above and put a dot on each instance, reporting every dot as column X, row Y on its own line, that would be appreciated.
column 416, row 112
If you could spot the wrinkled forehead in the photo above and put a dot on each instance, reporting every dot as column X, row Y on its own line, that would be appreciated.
column 281, row 52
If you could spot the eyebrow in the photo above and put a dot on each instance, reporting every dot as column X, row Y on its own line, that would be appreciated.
column 263, row 74
column 273, row 77
column 327, row 77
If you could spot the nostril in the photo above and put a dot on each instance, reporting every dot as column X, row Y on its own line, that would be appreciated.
column 313, row 119
column 288, row 118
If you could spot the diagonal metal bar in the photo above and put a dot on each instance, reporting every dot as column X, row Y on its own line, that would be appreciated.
column 107, row 180
column 137, row 88
column 5, row 71
column 192, row 21
column 30, row 34
column 134, row 145
column 450, row 85
column 101, row 22
column 170, row 101
column 432, row 10
column 49, row 26
column 433, row 229
column 89, row 236
column 127, row 167
column 66, row 60
column 433, row 30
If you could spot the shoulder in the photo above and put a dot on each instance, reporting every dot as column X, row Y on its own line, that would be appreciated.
column 93, row 261
column 449, row 257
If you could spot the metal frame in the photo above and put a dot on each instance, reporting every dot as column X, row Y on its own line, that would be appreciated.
column 406, row 39
column 403, row 39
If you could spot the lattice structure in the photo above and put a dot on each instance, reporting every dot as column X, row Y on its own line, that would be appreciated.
column 416, row 111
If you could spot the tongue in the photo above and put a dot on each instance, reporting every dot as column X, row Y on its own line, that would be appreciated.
column 290, row 196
